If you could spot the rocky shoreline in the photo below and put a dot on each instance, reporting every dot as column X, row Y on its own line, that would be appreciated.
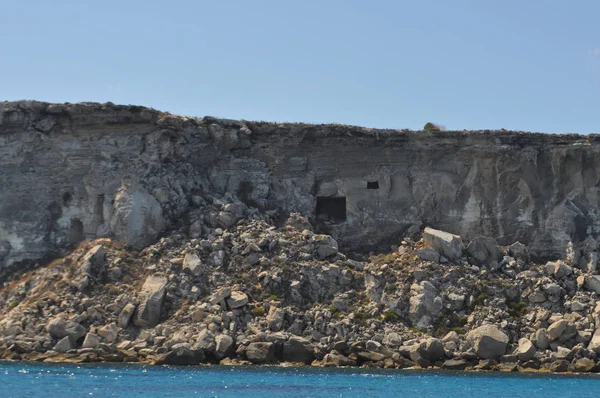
column 242, row 287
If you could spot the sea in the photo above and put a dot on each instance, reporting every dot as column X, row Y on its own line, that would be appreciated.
column 20, row 379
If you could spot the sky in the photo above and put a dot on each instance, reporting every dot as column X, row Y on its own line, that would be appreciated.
column 521, row 65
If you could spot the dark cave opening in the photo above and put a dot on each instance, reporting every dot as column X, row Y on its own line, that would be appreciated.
column 331, row 208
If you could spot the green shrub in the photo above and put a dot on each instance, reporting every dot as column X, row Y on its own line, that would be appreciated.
column 431, row 127
column 258, row 311
column 516, row 309
column 390, row 317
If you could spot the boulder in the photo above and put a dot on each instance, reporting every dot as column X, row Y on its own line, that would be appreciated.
column 109, row 332
column 94, row 259
column 592, row 282
column 594, row 344
column 488, row 341
column 518, row 251
column 540, row 339
column 275, row 318
column 91, row 341
column 424, row 305
column 428, row 254
column 525, row 350
column 261, row 352
column 151, row 299
column 298, row 349
column 65, row 344
column 206, row 341
column 217, row 258
column 60, row 328
column 325, row 246
column 224, row 346
column 125, row 315
column 180, row 355
column 556, row 329
column 237, row 300
column 485, row 252
column 137, row 217
column 447, row 244
column 193, row 263
column 432, row 349
column 559, row 269
column 392, row 339
column 583, row 365
column 334, row 359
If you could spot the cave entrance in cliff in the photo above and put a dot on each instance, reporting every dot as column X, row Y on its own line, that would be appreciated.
column 331, row 208
column 372, row 184
column 76, row 234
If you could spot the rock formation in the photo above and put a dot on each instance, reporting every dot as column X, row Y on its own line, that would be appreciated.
column 75, row 172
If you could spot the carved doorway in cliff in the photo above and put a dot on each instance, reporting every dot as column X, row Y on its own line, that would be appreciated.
column 331, row 208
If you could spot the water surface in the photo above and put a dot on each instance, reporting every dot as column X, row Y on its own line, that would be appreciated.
column 19, row 379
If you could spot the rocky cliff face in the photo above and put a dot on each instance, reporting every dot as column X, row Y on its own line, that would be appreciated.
column 74, row 172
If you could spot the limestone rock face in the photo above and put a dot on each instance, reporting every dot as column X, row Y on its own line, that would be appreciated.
column 151, row 298
column 447, row 244
column 489, row 341
column 102, row 170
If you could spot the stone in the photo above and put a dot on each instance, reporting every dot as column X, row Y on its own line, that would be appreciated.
column 424, row 305
column 180, row 355
column 455, row 364
column 541, row 339
column 224, row 346
column 392, row 339
column 206, row 341
column 583, row 365
column 237, row 300
column 525, row 350
column 126, row 314
column 325, row 246
column 65, row 344
column 298, row 349
column 594, row 344
column 60, row 328
column 429, row 254
column 217, row 258
column 91, row 341
column 592, row 282
column 431, row 350
column 95, row 258
column 334, row 359
column 137, row 216
column 275, row 318
column 556, row 329
column 559, row 269
column 261, row 352
column 489, row 341
column 109, row 332
column 485, row 252
column 519, row 251
column 193, row 263
column 447, row 244
column 151, row 299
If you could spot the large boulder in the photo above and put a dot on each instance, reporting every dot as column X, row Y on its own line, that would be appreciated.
column 237, row 300
column 262, row 352
column 556, row 329
column 275, row 318
column 180, row 355
column 592, row 282
column 125, row 315
column 485, row 252
column 193, row 263
column 60, row 328
column 594, row 344
column 488, row 341
column 447, row 244
column 224, row 346
column 93, row 260
column 424, row 305
column 109, row 332
column 325, row 246
column 151, row 299
column 65, row 344
column 137, row 216
column 298, row 349
column 526, row 350
column 431, row 349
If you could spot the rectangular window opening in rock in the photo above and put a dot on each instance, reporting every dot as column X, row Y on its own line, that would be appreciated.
column 331, row 208
column 372, row 184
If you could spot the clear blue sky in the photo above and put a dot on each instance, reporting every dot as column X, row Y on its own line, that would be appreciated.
column 529, row 64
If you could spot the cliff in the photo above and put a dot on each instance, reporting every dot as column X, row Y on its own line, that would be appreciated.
column 74, row 172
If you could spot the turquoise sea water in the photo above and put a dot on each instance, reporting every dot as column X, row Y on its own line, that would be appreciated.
column 18, row 379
